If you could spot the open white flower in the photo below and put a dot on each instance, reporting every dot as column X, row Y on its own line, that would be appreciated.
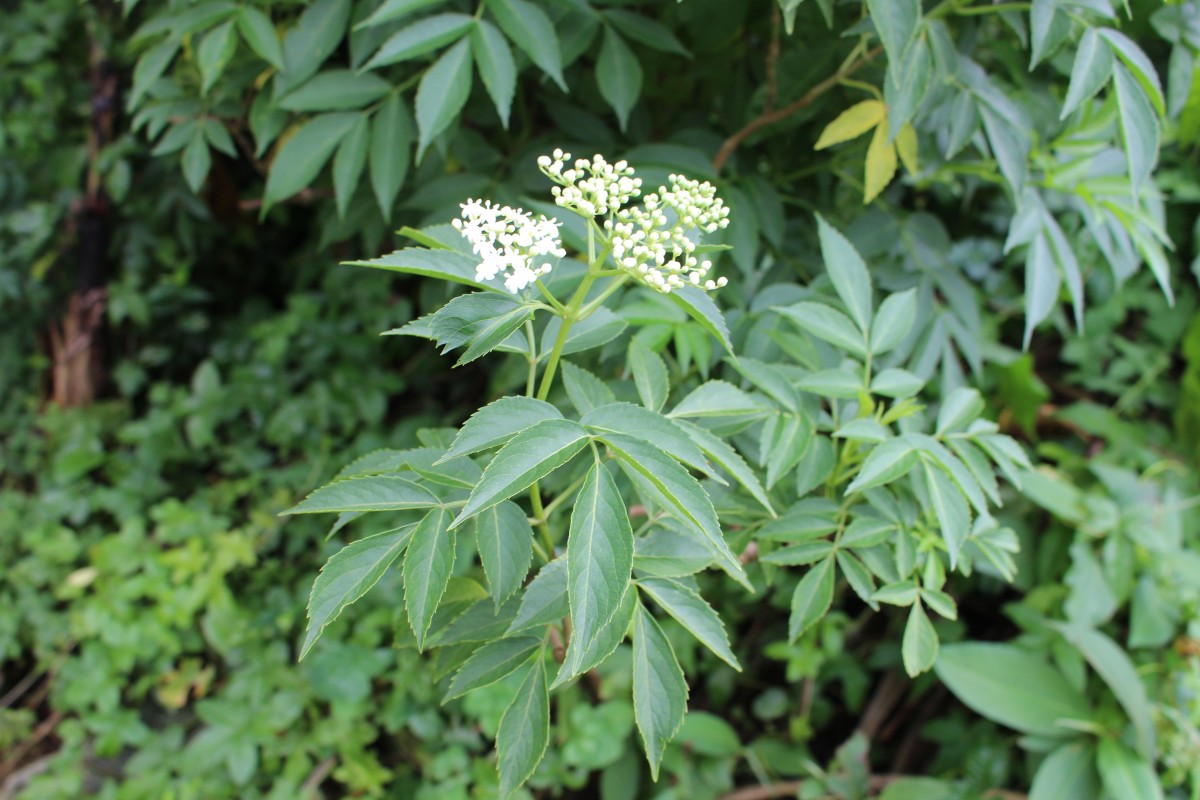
column 508, row 241
column 592, row 187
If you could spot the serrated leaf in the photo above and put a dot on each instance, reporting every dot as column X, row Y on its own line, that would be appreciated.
column 728, row 459
column 659, row 690
column 1042, row 282
column 259, row 32
column 896, row 22
column 347, row 576
column 812, row 598
column 1140, row 67
column 649, row 374
column 599, row 553
column 393, row 10
column 505, row 542
column 1010, row 146
column 214, row 52
column 545, row 599
column 376, row 493
column 1090, row 72
column 717, row 399
column 848, row 273
column 880, row 166
column 700, row 307
column 799, row 555
column 682, row 493
column 443, row 264
column 336, row 90
column 852, row 123
column 662, row 432
column 692, row 612
column 196, row 162
column 524, row 732
column 600, row 328
column 644, row 30
column 497, row 70
column 528, row 27
column 858, row 576
column 920, row 646
column 481, row 321
column 319, row 31
column 1139, row 126
column 427, row 566
column 953, row 514
column 894, row 321
column 528, row 457
column 442, row 93
column 585, row 653
column 863, row 429
column 348, row 164
column 1011, row 686
column 884, row 464
column 827, row 324
column 421, row 38
column 491, row 663
column 391, row 150
column 300, row 158
column 619, row 75
column 961, row 407
column 584, row 389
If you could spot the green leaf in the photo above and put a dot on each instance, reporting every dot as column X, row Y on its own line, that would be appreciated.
column 1136, row 62
column 349, row 575
column 884, row 464
column 1125, row 774
column 867, row 532
column 670, row 550
column 717, row 399
column 214, row 52
column 828, row 324
column 798, row 555
column 858, row 576
column 700, row 307
column 1069, row 773
column 524, row 732
column 259, row 32
column 1048, row 28
column 847, row 272
column 528, row 27
column 1113, row 665
column 644, row 30
column 785, row 443
column 816, row 465
column 1139, row 126
column 812, row 598
column 529, row 456
column 196, row 162
column 599, row 553
column 896, row 22
column 953, row 514
column 959, row 409
column 494, row 60
column 336, row 90
column 505, row 542
column 692, row 612
column 300, row 158
column 894, row 321
column 150, row 67
column 393, row 10
column 1011, row 686
column 1042, row 282
column 491, row 663
column 584, row 389
column 901, row 593
column 662, row 432
column 442, row 264
column 321, row 28
column 619, row 75
column 1010, row 146
column 896, row 383
column 348, row 164
column 1092, row 69
column 545, row 598
column 659, row 690
column 680, row 492
column 920, row 646
column 391, row 150
column 421, row 38
column 427, row 566
column 480, row 320
column 725, row 457
column 584, row 653
column 376, row 493
column 649, row 374
column 442, row 93
column 598, row 329
column 863, row 429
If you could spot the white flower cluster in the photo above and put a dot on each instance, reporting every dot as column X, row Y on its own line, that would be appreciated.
column 654, row 244
column 508, row 240
column 592, row 187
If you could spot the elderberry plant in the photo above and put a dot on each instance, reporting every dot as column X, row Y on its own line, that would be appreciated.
column 809, row 458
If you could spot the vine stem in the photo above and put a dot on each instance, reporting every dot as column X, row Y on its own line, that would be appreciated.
column 770, row 117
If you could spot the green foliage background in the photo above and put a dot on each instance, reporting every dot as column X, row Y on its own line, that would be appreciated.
column 153, row 598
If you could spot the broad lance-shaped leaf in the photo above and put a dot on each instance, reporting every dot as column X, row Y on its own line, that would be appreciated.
column 662, row 432
column 585, row 654
column 691, row 611
column 584, row 389
column 442, row 264
column 659, row 690
column 375, row 493
column 717, row 399
column 1125, row 774
column 349, row 575
column 427, row 567
column 1011, row 686
column 421, row 38
column 303, row 154
column 725, row 457
column 531, row 30
column 894, row 321
column 1139, row 126
column 1069, row 773
column 649, row 374
column 442, row 93
column 618, row 75
column 480, row 321
column 1092, row 69
column 700, row 307
column 848, row 273
column 492, row 662
column 884, row 464
column 392, row 132
column 497, row 422
column 599, row 553
column 920, row 645
column 828, row 324
column 529, row 456
column 545, row 598
column 681, row 493
column 852, row 123
column 496, row 67
column 505, row 542
column 524, row 732
column 812, row 598
column 953, row 514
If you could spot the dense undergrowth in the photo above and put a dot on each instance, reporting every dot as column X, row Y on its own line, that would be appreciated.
column 153, row 600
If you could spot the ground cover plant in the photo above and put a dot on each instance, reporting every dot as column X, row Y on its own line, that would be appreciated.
column 815, row 413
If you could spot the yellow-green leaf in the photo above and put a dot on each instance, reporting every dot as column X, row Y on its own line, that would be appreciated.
column 906, row 147
column 852, row 123
column 881, row 163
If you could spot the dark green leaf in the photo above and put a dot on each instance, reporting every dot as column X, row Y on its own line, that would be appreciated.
column 920, row 646
column 619, row 75
column 391, row 150
column 336, row 90
column 812, row 598
column 584, row 389
column 505, row 542
column 496, row 67
column 649, row 374
column 524, row 732
column 377, row 493
column 545, row 599
column 599, row 553
column 421, row 38
column 659, row 690
column 492, row 662
column 1092, row 69
column 531, row 30
column 427, row 566
column 348, row 164
column 442, row 93
column 259, row 32
column 300, row 158
column 692, row 612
